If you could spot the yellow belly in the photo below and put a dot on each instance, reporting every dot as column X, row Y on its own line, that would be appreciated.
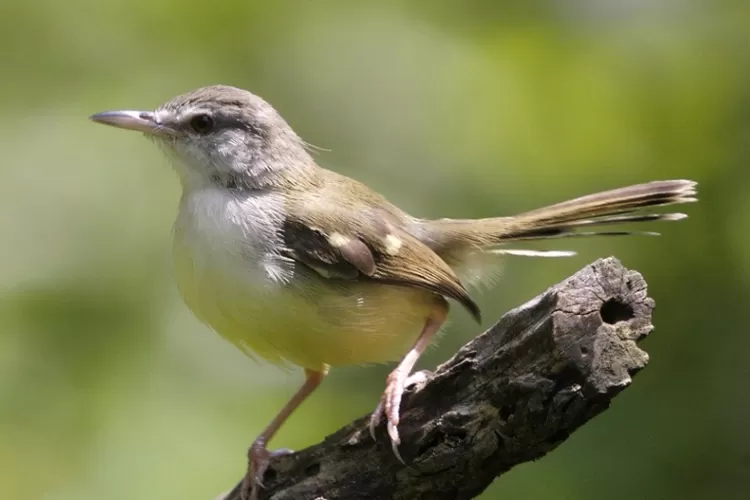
column 310, row 321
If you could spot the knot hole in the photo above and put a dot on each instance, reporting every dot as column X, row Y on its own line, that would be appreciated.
column 613, row 311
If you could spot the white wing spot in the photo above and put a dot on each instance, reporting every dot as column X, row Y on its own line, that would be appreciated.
column 392, row 244
column 338, row 240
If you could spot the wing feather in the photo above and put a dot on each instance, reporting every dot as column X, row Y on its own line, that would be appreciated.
column 339, row 245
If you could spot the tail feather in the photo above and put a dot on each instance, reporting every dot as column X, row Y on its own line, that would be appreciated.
column 621, row 219
column 615, row 201
column 575, row 234
column 616, row 206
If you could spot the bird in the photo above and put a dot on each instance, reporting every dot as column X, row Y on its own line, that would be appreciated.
column 298, row 264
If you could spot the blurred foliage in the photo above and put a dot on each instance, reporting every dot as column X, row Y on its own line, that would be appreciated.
column 110, row 389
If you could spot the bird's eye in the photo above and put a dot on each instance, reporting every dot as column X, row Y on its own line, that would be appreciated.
column 202, row 123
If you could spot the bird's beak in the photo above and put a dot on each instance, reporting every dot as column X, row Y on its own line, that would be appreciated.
column 140, row 121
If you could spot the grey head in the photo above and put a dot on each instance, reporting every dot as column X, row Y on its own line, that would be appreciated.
column 221, row 136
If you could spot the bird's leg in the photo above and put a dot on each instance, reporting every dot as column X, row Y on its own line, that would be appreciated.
column 258, row 455
column 397, row 380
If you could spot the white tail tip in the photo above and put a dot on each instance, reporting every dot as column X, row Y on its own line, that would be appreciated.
column 534, row 253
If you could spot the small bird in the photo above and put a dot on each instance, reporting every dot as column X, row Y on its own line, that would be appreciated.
column 298, row 264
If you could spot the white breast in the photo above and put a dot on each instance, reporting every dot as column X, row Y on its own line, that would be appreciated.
column 233, row 234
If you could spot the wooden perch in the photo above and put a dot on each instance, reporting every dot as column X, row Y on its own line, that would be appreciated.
column 507, row 397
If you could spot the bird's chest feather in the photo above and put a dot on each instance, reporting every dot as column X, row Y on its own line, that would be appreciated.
column 224, row 250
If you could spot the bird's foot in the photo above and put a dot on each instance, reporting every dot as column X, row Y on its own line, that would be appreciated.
column 390, row 405
column 259, row 458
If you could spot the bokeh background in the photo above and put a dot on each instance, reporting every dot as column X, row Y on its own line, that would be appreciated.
column 110, row 389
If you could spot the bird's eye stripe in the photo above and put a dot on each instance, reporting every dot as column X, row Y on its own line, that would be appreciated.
column 205, row 123
column 232, row 122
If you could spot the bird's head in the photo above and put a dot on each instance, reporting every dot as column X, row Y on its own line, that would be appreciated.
column 221, row 136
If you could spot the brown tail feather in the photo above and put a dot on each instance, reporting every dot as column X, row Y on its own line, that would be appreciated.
column 617, row 206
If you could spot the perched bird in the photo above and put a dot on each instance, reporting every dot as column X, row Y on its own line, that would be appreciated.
column 295, row 263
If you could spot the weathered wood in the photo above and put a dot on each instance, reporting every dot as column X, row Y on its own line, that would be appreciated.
column 507, row 397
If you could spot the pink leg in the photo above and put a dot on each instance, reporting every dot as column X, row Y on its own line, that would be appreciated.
column 258, row 455
column 390, row 402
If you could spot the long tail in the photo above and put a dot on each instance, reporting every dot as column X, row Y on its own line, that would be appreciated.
column 567, row 219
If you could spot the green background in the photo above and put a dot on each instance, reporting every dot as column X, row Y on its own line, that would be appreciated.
column 110, row 389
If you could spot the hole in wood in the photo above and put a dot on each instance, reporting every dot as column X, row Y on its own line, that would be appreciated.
column 312, row 469
column 613, row 311
column 270, row 475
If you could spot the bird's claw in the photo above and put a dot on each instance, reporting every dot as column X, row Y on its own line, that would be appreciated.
column 376, row 418
column 395, row 441
column 392, row 427
column 259, row 459
column 390, row 406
